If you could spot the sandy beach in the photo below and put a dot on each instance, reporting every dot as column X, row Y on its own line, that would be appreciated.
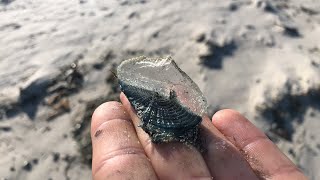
column 58, row 58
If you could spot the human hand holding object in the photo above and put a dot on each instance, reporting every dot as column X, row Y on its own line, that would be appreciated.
column 234, row 149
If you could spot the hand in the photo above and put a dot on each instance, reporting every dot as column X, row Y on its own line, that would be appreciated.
column 234, row 149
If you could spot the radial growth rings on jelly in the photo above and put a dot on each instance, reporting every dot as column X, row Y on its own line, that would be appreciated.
column 169, row 104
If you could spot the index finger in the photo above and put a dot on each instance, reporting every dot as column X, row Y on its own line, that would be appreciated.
column 263, row 156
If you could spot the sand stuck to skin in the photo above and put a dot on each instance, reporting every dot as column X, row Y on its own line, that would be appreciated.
column 259, row 57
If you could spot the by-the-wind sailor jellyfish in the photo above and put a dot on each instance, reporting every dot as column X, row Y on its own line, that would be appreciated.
column 169, row 104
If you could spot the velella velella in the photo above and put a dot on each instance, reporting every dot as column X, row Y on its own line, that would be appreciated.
column 169, row 104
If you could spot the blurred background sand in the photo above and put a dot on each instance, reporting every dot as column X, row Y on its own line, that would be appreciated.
column 259, row 57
